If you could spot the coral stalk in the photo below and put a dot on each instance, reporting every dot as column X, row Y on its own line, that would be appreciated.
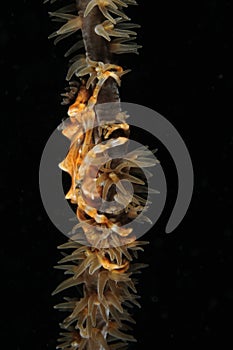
column 102, row 246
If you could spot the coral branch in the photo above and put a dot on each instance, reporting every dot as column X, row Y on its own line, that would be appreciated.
column 103, row 268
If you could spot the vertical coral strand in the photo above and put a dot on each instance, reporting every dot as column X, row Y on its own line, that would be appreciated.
column 97, row 47
column 101, row 248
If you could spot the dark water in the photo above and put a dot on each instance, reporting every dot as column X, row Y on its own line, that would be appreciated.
column 184, row 72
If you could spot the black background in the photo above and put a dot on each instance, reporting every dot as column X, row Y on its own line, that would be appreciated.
column 184, row 72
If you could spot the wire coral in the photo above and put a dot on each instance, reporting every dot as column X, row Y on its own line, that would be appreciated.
column 103, row 245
